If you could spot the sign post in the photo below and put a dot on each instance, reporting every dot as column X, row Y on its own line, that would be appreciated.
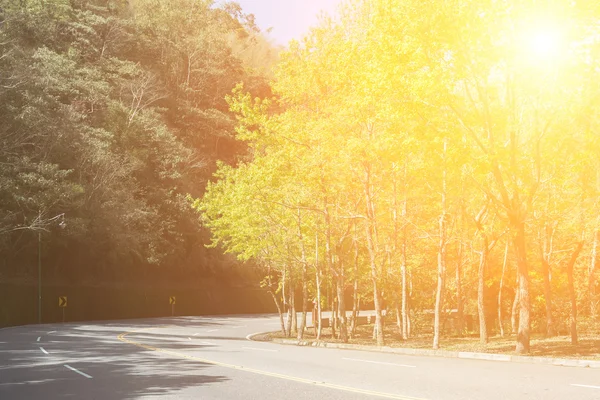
column 172, row 302
column 62, row 303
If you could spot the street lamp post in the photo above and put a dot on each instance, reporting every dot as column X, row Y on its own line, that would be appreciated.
column 62, row 225
column 39, row 277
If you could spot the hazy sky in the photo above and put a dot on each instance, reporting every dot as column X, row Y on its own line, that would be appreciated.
column 290, row 19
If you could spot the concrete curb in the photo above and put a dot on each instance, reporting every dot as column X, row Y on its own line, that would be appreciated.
column 564, row 362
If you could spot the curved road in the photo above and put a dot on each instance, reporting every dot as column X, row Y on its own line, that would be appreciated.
column 210, row 358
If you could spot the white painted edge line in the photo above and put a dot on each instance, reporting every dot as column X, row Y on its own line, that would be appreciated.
column 380, row 362
column 208, row 343
column 51, row 332
column 251, row 335
column 195, row 334
column 38, row 339
column 585, row 386
column 256, row 348
column 78, row 371
column 44, row 350
column 212, row 330
column 238, row 326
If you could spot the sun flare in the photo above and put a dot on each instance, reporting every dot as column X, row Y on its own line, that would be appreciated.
column 546, row 43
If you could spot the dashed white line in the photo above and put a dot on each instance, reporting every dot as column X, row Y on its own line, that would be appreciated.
column 256, row 348
column 195, row 334
column 380, row 362
column 78, row 371
column 44, row 350
column 38, row 339
column 585, row 386
column 51, row 332
column 208, row 343
column 212, row 330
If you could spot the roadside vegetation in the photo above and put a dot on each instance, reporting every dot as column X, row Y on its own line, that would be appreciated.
column 437, row 160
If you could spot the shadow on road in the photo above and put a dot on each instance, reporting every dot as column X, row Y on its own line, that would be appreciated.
column 119, row 370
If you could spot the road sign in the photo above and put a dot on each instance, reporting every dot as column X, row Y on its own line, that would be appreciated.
column 172, row 300
column 62, row 301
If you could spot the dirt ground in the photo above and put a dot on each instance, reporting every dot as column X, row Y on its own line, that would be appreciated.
column 558, row 346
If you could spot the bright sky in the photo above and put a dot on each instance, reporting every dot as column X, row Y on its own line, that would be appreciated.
column 290, row 19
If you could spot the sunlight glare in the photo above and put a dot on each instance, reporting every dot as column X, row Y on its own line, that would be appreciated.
column 546, row 43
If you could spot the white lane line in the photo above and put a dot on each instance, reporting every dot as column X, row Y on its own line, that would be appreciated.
column 51, row 332
column 586, row 386
column 238, row 326
column 195, row 334
column 189, row 338
column 38, row 339
column 380, row 362
column 208, row 343
column 212, row 330
column 44, row 350
column 256, row 348
column 78, row 371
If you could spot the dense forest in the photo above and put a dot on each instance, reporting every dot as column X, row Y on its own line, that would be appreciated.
column 113, row 112
column 433, row 159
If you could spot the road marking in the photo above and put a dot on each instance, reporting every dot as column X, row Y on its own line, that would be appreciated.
column 208, row 343
column 380, row 362
column 212, row 330
column 44, row 350
column 195, row 334
column 51, row 332
column 274, row 323
column 238, row 326
column 189, row 338
column 123, row 338
column 586, row 386
column 78, row 371
column 38, row 339
column 256, row 348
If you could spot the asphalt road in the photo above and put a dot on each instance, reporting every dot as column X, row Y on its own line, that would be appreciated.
column 210, row 358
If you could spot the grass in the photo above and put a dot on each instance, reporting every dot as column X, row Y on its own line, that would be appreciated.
column 558, row 346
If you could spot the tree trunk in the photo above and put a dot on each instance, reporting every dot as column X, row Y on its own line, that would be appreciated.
column 302, row 327
column 459, row 296
column 319, row 322
column 441, row 258
column 355, row 292
column 500, row 323
column 341, row 302
column 523, row 334
column 332, row 305
column 294, row 327
column 514, row 317
column 547, row 298
column 572, row 293
column 275, row 299
column 546, row 254
column 371, row 246
column 483, row 336
column 591, row 278
column 404, row 306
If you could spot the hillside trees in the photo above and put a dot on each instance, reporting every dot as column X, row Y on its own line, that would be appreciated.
column 111, row 114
